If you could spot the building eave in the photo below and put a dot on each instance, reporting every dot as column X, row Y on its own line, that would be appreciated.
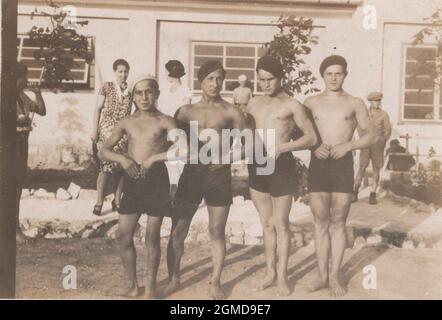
column 258, row 6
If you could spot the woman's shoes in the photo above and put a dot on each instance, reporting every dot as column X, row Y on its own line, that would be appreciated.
column 97, row 209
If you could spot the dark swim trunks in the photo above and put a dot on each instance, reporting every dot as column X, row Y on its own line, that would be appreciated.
column 198, row 181
column 329, row 175
column 281, row 182
column 147, row 195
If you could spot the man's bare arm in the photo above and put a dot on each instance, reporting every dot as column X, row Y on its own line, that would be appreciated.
column 367, row 132
column 107, row 153
column 302, row 121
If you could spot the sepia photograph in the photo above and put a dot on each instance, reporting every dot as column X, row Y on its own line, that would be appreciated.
column 221, row 150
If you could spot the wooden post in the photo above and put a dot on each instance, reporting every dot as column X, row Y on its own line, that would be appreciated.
column 8, row 184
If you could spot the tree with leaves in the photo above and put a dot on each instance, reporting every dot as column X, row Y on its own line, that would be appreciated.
column 290, row 44
column 432, row 32
column 59, row 46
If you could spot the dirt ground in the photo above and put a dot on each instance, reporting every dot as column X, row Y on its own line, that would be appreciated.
column 400, row 273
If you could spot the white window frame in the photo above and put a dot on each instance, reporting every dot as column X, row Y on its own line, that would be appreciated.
column 437, row 101
column 85, row 71
column 225, row 44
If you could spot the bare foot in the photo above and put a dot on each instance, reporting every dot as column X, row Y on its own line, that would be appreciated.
column 132, row 292
column 216, row 292
column 337, row 289
column 172, row 286
column 283, row 289
column 268, row 281
column 317, row 284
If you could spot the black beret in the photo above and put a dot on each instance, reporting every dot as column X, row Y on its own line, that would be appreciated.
column 208, row 67
column 331, row 61
column 272, row 65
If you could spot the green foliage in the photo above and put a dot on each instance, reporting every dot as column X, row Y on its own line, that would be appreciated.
column 59, row 46
column 432, row 33
column 290, row 44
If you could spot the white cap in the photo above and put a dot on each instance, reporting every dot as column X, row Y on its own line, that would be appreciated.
column 242, row 77
column 139, row 78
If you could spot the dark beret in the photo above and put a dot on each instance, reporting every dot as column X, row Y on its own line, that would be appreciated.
column 331, row 61
column 208, row 67
column 272, row 65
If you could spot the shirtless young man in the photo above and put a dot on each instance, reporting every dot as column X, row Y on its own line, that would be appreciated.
column 336, row 115
column 209, row 181
column 272, row 194
column 146, row 184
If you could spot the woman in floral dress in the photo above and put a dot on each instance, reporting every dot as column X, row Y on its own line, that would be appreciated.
column 113, row 104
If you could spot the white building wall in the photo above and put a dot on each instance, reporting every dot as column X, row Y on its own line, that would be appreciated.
column 372, row 55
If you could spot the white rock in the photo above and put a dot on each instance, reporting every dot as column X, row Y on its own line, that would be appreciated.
column 203, row 237
column 165, row 232
column 112, row 232
column 97, row 224
column 238, row 239
column 236, row 228
column 437, row 245
column 359, row 243
column 74, row 190
column 422, row 207
column 32, row 233
column 238, row 200
column 248, row 203
column 62, row 194
column 88, row 233
column 252, row 241
column 25, row 224
column 421, row 245
column 143, row 221
column 298, row 239
column 408, row 244
column 25, row 194
column 43, row 194
column 255, row 230
column 56, row 235
column 86, row 194
column 374, row 239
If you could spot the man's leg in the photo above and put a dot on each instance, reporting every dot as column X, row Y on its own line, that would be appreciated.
column 102, row 180
column 175, row 250
column 358, row 181
column 281, row 211
column 119, row 190
column 320, row 205
column 340, row 206
column 126, row 229
column 217, row 230
column 263, row 203
column 153, row 238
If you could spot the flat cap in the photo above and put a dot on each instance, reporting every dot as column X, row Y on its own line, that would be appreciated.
column 375, row 96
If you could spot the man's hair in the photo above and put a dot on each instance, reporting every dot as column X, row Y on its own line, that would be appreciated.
column 331, row 61
column 272, row 65
column 394, row 142
column 208, row 67
column 120, row 62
